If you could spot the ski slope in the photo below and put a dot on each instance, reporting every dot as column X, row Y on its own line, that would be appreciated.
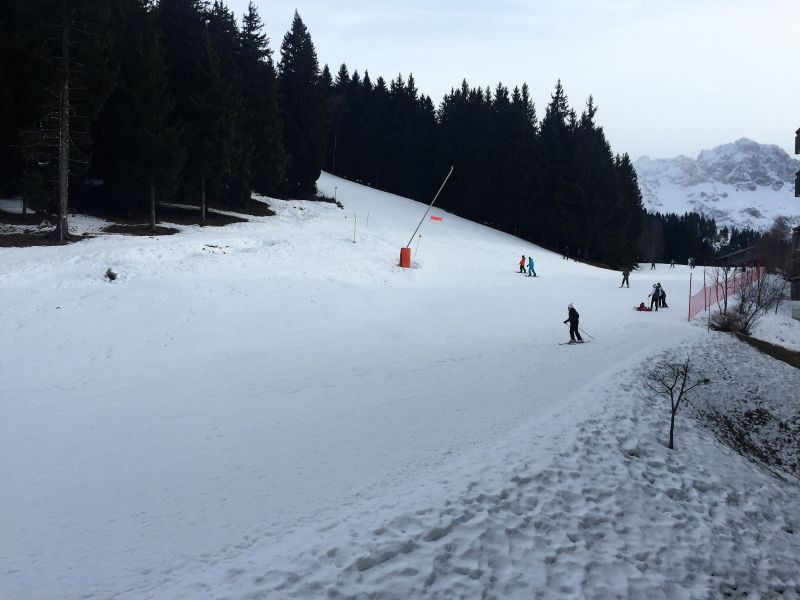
column 274, row 410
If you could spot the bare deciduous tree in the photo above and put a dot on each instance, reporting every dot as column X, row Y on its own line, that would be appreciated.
column 722, row 277
column 758, row 297
column 673, row 380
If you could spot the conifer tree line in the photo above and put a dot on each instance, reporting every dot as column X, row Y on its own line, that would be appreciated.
column 172, row 95
column 669, row 236
column 554, row 182
column 178, row 98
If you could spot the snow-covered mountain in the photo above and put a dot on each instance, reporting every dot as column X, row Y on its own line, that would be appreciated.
column 743, row 184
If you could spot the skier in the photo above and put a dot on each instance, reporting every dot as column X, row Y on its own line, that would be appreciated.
column 652, row 264
column 625, row 281
column 663, row 298
column 672, row 264
column 655, row 296
column 522, row 264
column 531, row 270
column 580, row 255
column 566, row 253
column 572, row 318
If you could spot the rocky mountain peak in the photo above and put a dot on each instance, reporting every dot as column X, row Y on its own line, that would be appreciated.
column 743, row 183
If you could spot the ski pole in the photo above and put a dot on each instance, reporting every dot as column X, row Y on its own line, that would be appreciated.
column 589, row 334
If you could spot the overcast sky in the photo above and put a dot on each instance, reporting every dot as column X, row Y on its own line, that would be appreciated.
column 669, row 76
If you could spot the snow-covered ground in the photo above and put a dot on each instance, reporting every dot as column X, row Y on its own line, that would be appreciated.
column 270, row 410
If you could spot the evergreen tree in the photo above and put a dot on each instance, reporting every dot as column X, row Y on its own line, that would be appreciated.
column 60, row 46
column 262, row 120
column 135, row 145
column 558, row 208
column 303, row 109
column 630, row 212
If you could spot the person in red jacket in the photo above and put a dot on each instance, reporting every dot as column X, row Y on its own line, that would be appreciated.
column 522, row 264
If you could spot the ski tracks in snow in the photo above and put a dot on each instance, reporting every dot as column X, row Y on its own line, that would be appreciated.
column 612, row 512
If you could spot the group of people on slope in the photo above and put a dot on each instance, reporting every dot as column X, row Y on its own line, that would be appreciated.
column 566, row 255
column 531, row 270
column 658, row 299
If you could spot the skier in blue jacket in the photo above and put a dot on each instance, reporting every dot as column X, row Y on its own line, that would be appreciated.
column 531, row 270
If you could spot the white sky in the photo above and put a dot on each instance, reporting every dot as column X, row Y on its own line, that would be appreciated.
column 669, row 76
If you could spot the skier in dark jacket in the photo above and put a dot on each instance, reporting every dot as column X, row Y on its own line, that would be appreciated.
column 574, row 334
column 625, row 281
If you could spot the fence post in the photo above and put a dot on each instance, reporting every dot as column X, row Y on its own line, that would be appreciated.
column 705, row 293
column 690, row 297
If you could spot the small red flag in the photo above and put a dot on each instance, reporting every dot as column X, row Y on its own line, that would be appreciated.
column 435, row 218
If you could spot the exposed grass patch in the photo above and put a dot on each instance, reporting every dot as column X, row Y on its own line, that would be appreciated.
column 760, row 436
column 253, row 208
column 27, row 239
column 324, row 198
column 30, row 218
column 790, row 357
column 139, row 229
column 179, row 214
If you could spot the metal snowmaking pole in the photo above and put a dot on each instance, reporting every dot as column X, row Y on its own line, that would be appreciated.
column 408, row 245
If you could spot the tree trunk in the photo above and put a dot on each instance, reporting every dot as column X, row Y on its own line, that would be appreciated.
column 203, row 200
column 152, row 205
column 63, row 134
column 671, row 430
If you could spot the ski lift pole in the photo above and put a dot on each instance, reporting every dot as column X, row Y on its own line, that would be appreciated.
column 408, row 245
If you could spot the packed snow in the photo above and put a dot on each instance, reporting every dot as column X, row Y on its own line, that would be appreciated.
column 275, row 409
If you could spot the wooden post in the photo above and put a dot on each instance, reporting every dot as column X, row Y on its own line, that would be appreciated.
column 690, row 297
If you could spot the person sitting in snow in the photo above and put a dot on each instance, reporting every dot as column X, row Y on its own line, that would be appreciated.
column 572, row 317
column 531, row 270
column 522, row 264
column 641, row 307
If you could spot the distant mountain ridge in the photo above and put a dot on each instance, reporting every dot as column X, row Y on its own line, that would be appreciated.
column 744, row 184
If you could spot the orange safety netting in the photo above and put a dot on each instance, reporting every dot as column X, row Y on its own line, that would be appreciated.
column 716, row 288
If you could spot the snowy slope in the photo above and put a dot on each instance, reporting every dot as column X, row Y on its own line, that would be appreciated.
column 272, row 410
column 744, row 184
